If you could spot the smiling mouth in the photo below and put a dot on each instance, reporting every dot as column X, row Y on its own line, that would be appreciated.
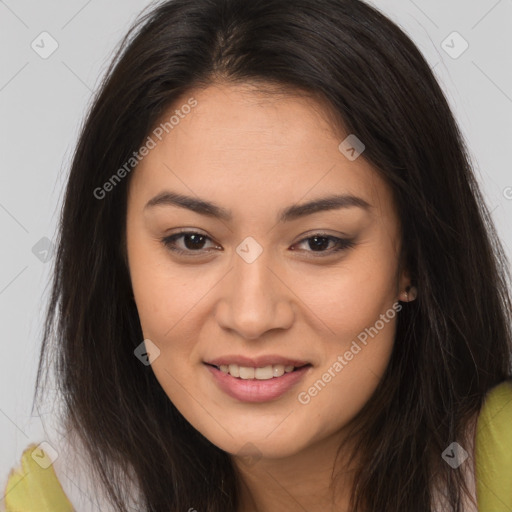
column 261, row 373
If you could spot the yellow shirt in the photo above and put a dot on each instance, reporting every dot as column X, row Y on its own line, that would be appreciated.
column 493, row 451
column 33, row 488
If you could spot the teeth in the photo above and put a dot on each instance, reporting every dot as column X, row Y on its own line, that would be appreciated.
column 246, row 372
column 278, row 370
column 264, row 373
column 234, row 370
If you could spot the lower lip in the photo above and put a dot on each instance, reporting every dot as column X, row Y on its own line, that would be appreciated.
column 254, row 390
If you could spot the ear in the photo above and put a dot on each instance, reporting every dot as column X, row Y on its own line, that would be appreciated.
column 404, row 282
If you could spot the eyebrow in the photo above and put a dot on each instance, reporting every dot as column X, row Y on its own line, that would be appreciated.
column 204, row 207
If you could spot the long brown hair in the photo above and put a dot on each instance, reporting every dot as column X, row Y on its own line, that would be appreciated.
column 452, row 344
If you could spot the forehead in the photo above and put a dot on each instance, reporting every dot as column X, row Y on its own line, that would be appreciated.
column 253, row 147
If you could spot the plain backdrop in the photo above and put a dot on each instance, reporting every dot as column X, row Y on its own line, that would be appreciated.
column 43, row 101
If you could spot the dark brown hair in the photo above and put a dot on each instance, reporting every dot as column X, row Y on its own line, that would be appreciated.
column 452, row 344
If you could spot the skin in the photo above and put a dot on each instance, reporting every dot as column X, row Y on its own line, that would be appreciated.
column 254, row 155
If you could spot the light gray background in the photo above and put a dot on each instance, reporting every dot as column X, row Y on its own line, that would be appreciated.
column 42, row 103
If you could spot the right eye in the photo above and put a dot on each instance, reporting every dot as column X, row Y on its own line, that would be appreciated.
column 192, row 242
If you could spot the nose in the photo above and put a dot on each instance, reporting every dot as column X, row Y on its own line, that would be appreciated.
column 255, row 299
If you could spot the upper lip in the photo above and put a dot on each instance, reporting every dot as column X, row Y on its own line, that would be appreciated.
column 256, row 362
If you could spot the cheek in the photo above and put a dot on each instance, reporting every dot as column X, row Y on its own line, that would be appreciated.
column 351, row 297
column 164, row 293
column 357, row 313
column 352, row 366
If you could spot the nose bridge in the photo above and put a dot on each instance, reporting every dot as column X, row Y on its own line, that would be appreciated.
column 252, row 282
column 256, row 300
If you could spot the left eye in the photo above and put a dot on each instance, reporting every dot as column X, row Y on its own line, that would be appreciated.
column 320, row 241
column 194, row 242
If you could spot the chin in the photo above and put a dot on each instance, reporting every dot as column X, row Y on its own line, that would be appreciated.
column 255, row 445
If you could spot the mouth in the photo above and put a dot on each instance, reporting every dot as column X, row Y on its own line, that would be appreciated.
column 257, row 383
column 267, row 372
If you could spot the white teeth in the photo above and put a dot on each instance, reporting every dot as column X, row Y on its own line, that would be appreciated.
column 246, row 372
column 277, row 370
column 264, row 373
column 234, row 370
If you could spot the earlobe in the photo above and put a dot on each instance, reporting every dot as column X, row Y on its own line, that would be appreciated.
column 409, row 294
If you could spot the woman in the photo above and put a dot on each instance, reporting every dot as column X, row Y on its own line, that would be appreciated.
column 278, row 286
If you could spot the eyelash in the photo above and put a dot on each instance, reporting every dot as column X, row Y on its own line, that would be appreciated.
column 341, row 243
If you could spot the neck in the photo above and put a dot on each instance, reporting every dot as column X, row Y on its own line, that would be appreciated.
column 301, row 481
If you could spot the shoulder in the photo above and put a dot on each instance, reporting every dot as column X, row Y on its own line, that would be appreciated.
column 493, row 450
column 34, row 485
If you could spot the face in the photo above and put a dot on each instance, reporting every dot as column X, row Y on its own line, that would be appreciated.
column 230, row 269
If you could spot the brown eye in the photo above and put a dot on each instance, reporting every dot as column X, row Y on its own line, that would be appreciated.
column 192, row 242
column 319, row 242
